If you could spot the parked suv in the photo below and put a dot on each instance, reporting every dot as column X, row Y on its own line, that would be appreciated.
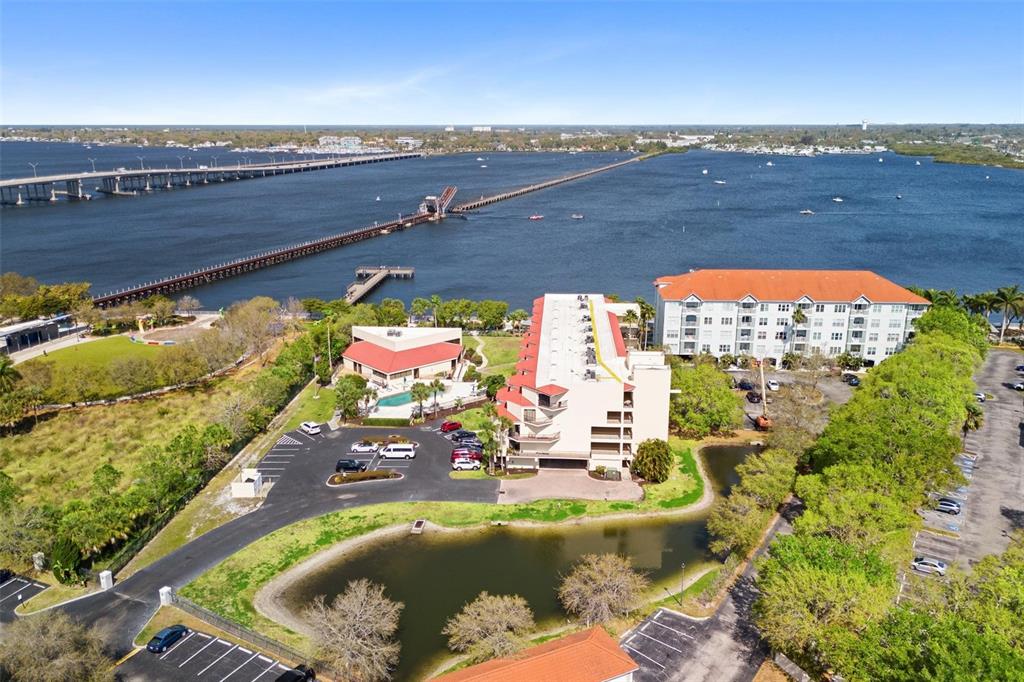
column 310, row 428
column 349, row 466
column 464, row 463
column 745, row 385
column 948, row 506
column 447, row 427
column 461, row 434
column 165, row 638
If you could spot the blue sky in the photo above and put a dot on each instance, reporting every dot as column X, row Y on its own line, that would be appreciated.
column 530, row 63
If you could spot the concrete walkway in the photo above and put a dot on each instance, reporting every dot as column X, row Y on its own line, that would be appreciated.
column 566, row 484
column 50, row 346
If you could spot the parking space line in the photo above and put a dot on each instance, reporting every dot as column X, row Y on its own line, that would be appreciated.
column 311, row 440
column 8, row 582
column 678, row 632
column 212, row 640
column 200, row 673
column 259, row 468
column 239, row 667
column 635, row 651
column 272, row 664
column 27, row 585
column 655, row 639
column 180, row 642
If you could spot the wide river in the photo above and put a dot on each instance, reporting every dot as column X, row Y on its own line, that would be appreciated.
column 434, row 575
column 955, row 226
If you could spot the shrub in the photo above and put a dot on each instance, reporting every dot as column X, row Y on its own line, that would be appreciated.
column 653, row 460
column 66, row 559
column 385, row 421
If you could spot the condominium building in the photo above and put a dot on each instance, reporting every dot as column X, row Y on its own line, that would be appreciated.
column 579, row 397
column 750, row 312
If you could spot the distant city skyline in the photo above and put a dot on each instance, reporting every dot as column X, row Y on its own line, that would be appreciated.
column 576, row 63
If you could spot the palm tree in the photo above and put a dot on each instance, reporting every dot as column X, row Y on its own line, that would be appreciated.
column 631, row 318
column 9, row 376
column 974, row 303
column 435, row 303
column 436, row 386
column 799, row 318
column 420, row 393
column 369, row 395
column 1007, row 298
column 517, row 317
column 647, row 313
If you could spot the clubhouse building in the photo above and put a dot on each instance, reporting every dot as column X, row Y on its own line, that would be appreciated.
column 388, row 356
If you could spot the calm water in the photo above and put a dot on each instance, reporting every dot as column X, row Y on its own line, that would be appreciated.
column 435, row 575
column 953, row 227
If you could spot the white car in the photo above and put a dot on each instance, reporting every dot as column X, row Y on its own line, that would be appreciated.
column 926, row 565
column 310, row 428
column 1019, row 386
column 364, row 447
column 772, row 385
column 464, row 464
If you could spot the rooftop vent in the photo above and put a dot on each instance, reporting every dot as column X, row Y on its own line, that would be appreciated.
column 394, row 332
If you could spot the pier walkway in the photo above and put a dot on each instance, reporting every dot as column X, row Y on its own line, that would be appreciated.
column 368, row 277
column 132, row 182
column 487, row 201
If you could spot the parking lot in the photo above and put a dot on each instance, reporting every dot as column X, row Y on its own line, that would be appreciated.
column 289, row 446
column 198, row 655
column 13, row 592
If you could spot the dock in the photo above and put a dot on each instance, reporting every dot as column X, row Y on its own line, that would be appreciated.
column 368, row 277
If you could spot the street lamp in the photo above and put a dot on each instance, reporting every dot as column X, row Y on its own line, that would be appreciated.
column 93, row 162
column 181, row 160
column 214, row 161
column 142, row 162
column 34, row 173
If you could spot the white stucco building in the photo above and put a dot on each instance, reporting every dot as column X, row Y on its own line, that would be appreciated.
column 385, row 355
column 750, row 312
column 579, row 398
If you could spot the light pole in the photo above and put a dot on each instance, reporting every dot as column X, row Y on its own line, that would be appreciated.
column 93, row 162
column 142, row 162
column 181, row 160
column 34, row 173
column 214, row 161
column 682, row 579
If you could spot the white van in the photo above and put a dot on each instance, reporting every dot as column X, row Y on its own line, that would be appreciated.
column 398, row 451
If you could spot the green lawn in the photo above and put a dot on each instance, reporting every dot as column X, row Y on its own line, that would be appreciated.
column 98, row 355
column 502, row 353
column 310, row 409
column 229, row 587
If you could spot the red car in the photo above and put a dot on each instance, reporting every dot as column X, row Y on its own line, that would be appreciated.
column 448, row 427
column 467, row 453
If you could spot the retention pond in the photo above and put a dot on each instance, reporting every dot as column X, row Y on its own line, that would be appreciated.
column 435, row 574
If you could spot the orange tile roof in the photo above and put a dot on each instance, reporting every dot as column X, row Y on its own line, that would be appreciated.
column 588, row 656
column 522, row 380
column 389, row 361
column 502, row 411
column 784, row 285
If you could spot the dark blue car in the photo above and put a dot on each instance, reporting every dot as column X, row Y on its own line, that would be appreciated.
column 165, row 638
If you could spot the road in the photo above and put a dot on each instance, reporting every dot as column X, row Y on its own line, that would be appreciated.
column 299, row 493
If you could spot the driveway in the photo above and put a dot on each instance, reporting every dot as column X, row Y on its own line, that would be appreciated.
column 566, row 484
column 300, row 492
column 996, row 501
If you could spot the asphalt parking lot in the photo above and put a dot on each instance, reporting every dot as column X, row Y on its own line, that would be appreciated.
column 662, row 642
column 13, row 592
column 834, row 390
column 203, row 656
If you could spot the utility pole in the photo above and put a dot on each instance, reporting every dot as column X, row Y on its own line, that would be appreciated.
column 764, row 392
column 330, row 360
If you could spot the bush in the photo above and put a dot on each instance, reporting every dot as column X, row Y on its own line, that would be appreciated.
column 385, row 421
column 380, row 474
column 66, row 559
column 653, row 460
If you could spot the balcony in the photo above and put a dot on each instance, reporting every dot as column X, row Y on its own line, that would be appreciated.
column 535, row 437
column 553, row 407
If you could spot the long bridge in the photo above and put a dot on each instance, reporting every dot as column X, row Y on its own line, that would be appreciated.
column 132, row 182
column 432, row 209
column 487, row 201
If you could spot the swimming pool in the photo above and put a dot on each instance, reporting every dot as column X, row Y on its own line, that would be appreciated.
column 403, row 398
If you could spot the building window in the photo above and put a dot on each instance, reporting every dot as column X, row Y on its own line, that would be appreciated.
column 672, row 335
column 839, row 308
column 762, row 322
column 892, row 337
column 818, row 322
column 747, row 306
column 764, row 307
column 816, row 336
column 727, row 320
column 860, row 306
column 897, row 308
column 780, row 336
column 819, row 307
column 746, row 319
column 705, row 348
column 724, row 348
column 744, row 333
column 895, row 324
column 857, row 335
column 784, row 307
column 876, row 308
column 837, row 336
column 855, row 349
column 839, row 323
column 744, row 347
column 781, row 322
column 872, row 350
column 708, row 320
column 876, row 323
column 762, row 335
column 691, row 319
column 799, row 347
column 858, row 320
column 873, row 336
column 889, row 351
column 801, row 333
column 804, row 306
column 835, row 350
column 692, row 304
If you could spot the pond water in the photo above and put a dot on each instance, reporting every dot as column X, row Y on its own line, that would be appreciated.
column 434, row 575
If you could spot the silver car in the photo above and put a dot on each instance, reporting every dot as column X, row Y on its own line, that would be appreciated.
column 927, row 565
column 465, row 463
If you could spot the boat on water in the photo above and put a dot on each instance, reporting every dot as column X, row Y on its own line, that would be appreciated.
column 378, row 198
column 480, row 158
column 899, row 196
column 536, row 216
column 719, row 182
column 807, row 211
column 386, row 231
column 838, row 200
column 917, row 163
column 704, row 172
column 769, row 164
column 880, row 159
column 483, row 165
column 577, row 216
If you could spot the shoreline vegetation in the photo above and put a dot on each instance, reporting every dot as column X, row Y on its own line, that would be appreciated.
column 237, row 588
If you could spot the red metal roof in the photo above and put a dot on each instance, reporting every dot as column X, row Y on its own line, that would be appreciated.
column 507, row 395
column 620, row 345
column 389, row 361
column 503, row 412
column 551, row 389
column 784, row 285
column 588, row 656
column 521, row 380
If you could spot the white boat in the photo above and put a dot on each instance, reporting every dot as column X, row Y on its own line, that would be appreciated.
column 378, row 198
column 719, row 182
column 769, row 164
column 483, row 165
column 899, row 196
column 480, row 158
column 880, row 159
column 807, row 211
column 577, row 216
column 536, row 216
column 838, row 200
column 917, row 163
column 704, row 172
